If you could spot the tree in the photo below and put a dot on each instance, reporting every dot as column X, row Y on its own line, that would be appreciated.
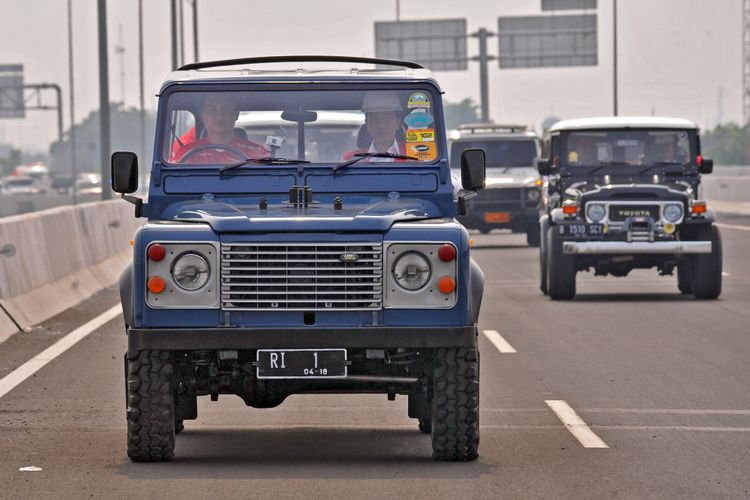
column 125, row 131
column 456, row 113
column 727, row 144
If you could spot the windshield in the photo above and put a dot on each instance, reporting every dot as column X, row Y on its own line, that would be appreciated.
column 19, row 183
column 629, row 147
column 319, row 126
column 508, row 153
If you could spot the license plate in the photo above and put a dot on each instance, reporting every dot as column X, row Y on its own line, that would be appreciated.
column 580, row 230
column 497, row 217
column 301, row 363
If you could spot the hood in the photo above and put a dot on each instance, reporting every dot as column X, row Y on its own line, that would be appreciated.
column 501, row 177
column 360, row 214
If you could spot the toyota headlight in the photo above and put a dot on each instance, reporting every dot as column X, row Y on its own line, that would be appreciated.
column 595, row 212
column 411, row 271
column 190, row 271
column 673, row 213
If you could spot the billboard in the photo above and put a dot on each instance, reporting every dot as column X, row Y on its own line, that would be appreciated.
column 11, row 91
column 544, row 41
column 568, row 4
column 439, row 44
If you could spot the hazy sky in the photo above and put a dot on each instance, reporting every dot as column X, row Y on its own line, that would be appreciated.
column 677, row 57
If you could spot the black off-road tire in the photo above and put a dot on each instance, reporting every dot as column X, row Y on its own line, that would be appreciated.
column 561, row 268
column 425, row 425
column 455, row 404
column 685, row 275
column 533, row 235
column 708, row 267
column 150, row 411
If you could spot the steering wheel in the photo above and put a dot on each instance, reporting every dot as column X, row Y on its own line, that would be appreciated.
column 241, row 155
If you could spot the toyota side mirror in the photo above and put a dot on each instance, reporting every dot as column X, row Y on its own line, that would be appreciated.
column 472, row 169
column 706, row 166
column 543, row 166
column 124, row 172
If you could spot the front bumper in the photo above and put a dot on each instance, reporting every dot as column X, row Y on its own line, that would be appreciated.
column 289, row 338
column 638, row 247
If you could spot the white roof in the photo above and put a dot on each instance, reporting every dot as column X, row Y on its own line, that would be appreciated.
column 623, row 122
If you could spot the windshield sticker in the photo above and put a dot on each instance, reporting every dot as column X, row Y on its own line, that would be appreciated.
column 418, row 118
column 573, row 157
column 425, row 151
column 418, row 100
column 420, row 135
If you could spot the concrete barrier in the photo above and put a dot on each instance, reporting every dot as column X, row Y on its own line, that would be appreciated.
column 57, row 258
column 18, row 204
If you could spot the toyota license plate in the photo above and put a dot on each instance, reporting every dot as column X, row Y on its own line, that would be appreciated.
column 580, row 230
column 301, row 363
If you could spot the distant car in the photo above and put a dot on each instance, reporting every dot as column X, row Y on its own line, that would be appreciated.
column 623, row 193
column 510, row 199
column 88, row 184
column 20, row 185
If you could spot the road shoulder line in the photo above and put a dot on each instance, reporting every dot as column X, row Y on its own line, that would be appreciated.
column 29, row 368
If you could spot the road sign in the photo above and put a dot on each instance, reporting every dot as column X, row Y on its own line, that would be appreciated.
column 542, row 41
column 568, row 4
column 11, row 91
column 438, row 44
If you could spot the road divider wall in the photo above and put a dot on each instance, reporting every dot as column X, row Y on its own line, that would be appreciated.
column 54, row 259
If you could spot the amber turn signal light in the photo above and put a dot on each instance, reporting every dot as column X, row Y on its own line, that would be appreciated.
column 156, row 284
column 446, row 284
column 570, row 209
column 699, row 208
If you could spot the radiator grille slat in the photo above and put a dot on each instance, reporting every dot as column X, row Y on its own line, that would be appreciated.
column 301, row 276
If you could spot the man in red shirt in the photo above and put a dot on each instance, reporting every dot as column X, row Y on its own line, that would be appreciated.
column 220, row 144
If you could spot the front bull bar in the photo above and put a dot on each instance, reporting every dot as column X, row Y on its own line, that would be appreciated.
column 636, row 247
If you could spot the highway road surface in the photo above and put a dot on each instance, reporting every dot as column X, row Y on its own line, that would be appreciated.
column 629, row 391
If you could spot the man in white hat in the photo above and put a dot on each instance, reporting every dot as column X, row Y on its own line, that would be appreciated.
column 383, row 113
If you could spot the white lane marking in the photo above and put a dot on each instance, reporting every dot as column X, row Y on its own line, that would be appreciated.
column 671, row 428
column 498, row 341
column 29, row 368
column 667, row 411
column 733, row 226
column 724, row 273
column 575, row 424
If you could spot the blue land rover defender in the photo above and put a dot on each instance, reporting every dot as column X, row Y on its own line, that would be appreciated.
column 300, row 237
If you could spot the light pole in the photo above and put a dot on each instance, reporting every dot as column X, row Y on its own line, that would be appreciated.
column 104, row 143
column 614, row 55
column 141, row 100
column 72, row 135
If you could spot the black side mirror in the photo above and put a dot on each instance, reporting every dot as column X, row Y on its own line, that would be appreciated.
column 706, row 166
column 124, row 172
column 472, row 169
column 543, row 166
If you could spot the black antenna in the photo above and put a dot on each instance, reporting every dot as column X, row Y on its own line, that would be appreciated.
column 282, row 59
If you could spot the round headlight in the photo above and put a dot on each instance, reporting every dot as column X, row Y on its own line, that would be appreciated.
column 532, row 194
column 673, row 213
column 595, row 212
column 411, row 271
column 190, row 271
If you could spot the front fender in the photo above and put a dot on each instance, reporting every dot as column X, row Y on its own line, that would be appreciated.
column 476, row 290
column 126, row 295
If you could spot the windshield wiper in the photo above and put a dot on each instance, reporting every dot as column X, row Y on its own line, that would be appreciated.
column 362, row 156
column 266, row 160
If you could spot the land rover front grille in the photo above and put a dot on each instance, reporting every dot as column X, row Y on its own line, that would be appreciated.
column 301, row 276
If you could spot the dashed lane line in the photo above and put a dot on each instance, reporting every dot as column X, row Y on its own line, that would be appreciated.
column 498, row 341
column 575, row 424
column 29, row 368
column 733, row 226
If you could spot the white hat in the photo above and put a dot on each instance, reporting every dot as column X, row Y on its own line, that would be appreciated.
column 377, row 101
